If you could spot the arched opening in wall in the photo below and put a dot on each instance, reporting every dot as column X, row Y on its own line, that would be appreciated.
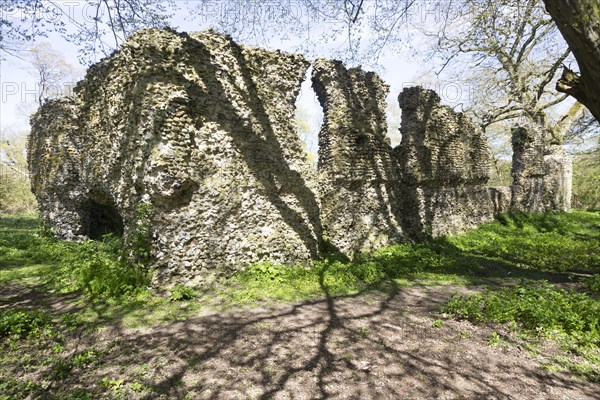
column 393, row 114
column 309, row 119
column 103, row 219
column 498, row 137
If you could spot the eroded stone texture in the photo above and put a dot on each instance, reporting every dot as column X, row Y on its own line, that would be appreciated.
column 558, row 179
column 199, row 128
column 199, row 132
column 542, row 173
column 445, row 166
column 358, row 178
column 501, row 198
column 53, row 158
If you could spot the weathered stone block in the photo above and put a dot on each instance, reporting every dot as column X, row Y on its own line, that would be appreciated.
column 542, row 173
column 558, row 179
column 445, row 166
column 358, row 180
column 200, row 129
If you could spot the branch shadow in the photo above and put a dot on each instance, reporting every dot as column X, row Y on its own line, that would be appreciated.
column 356, row 347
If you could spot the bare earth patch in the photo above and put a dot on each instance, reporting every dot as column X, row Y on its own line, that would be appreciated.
column 363, row 347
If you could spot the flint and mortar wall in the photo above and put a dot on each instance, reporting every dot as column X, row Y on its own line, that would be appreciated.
column 358, row 177
column 445, row 166
column 199, row 131
column 199, row 128
column 542, row 173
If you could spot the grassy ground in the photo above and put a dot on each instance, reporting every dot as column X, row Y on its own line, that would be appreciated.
column 534, row 278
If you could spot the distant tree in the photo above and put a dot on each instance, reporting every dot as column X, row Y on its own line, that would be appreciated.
column 87, row 23
column 15, row 189
column 54, row 74
column 508, row 52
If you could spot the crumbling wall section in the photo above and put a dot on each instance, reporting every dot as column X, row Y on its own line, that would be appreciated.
column 445, row 166
column 358, row 178
column 54, row 163
column 542, row 173
column 558, row 179
column 201, row 130
column 194, row 136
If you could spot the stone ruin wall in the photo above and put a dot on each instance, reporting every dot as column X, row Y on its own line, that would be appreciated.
column 201, row 130
column 358, row 176
column 445, row 165
column 542, row 173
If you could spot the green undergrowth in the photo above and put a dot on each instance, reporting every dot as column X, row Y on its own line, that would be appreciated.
column 97, row 288
column 540, row 309
column 97, row 268
column 539, row 246
column 542, row 241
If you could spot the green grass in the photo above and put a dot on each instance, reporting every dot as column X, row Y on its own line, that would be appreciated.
column 540, row 309
column 98, row 268
column 541, row 241
column 539, row 246
column 106, row 289
column 536, row 307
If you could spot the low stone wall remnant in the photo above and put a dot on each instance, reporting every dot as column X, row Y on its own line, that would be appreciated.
column 445, row 166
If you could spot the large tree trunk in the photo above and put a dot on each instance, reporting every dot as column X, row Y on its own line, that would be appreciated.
column 579, row 23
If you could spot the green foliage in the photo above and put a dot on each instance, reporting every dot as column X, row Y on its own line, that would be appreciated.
column 15, row 193
column 139, row 239
column 517, row 244
column 541, row 241
column 570, row 318
column 22, row 323
column 593, row 284
column 15, row 188
column 99, row 268
column 265, row 271
column 536, row 306
column 586, row 182
column 501, row 174
column 495, row 340
column 182, row 292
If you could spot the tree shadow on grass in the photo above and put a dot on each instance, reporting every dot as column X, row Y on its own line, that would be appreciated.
column 355, row 347
column 443, row 258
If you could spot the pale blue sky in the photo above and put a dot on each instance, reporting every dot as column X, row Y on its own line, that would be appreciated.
column 398, row 69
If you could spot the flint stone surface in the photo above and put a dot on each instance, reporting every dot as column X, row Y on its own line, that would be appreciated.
column 558, row 179
column 199, row 132
column 501, row 198
column 358, row 177
column 199, row 128
column 542, row 173
column 445, row 165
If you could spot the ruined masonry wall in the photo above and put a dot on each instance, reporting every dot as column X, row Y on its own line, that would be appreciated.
column 358, row 179
column 199, row 132
column 201, row 129
column 445, row 166
column 542, row 174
